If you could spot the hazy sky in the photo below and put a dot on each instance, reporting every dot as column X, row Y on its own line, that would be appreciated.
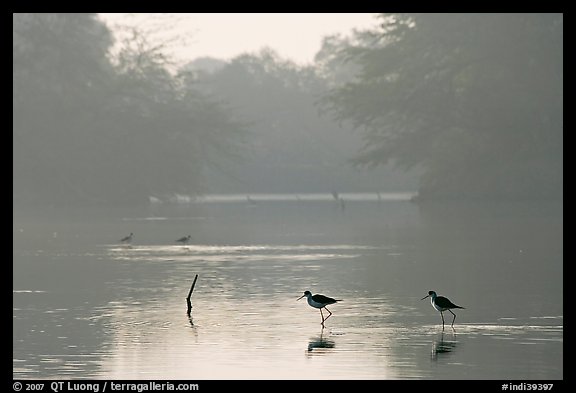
column 222, row 35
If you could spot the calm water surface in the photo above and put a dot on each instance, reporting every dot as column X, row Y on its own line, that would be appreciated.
column 86, row 307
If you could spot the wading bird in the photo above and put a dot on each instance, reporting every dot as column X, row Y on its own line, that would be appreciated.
column 184, row 240
column 319, row 302
column 127, row 239
column 440, row 303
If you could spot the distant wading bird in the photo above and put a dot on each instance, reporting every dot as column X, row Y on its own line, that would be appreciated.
column 440, row 303
column 184, row 240
column 127, row 239
column 320, row 302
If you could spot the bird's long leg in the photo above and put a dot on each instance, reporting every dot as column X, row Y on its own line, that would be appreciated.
column 453, row 319
column 329, row 312
column 322, row 323
column 442, row 315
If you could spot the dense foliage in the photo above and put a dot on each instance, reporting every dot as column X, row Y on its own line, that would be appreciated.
column 474, row 99
column 94, row 128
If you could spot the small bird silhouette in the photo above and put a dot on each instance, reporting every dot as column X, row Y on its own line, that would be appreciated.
column 440, row 303
column 184, row 239
column 127, row 239
column 320, row 302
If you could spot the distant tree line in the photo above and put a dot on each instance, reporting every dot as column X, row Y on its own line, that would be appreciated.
column 293, row 148
column 473, row 102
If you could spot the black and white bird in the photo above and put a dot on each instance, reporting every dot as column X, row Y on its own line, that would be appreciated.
column 440, row 303
column 184, row 240
column 127, row 239
column 320, row 302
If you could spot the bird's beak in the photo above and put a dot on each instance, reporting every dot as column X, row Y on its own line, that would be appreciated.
column 424, row 297
column 300, row 297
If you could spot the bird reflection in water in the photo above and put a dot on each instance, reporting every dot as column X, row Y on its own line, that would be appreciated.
column 320, row 344
column 443, row 346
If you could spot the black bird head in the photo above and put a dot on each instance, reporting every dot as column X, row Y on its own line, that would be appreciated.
column 306, row 293
column 430, row 293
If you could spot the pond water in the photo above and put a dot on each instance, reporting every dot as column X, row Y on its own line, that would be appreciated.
column 85, row 306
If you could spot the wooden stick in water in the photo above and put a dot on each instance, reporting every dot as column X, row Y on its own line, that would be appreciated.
column 190, row 294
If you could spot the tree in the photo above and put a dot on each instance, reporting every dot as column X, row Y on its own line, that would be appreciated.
column 292, row 147
column 60, row 70
column 331, row 61
column 92, row 127
column 276, row 99
column 475, row 99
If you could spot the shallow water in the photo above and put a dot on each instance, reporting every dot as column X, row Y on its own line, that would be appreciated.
column 87, row 307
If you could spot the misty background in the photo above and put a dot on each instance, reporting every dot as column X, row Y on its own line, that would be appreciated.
column 422, row 153
column 458, row 106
